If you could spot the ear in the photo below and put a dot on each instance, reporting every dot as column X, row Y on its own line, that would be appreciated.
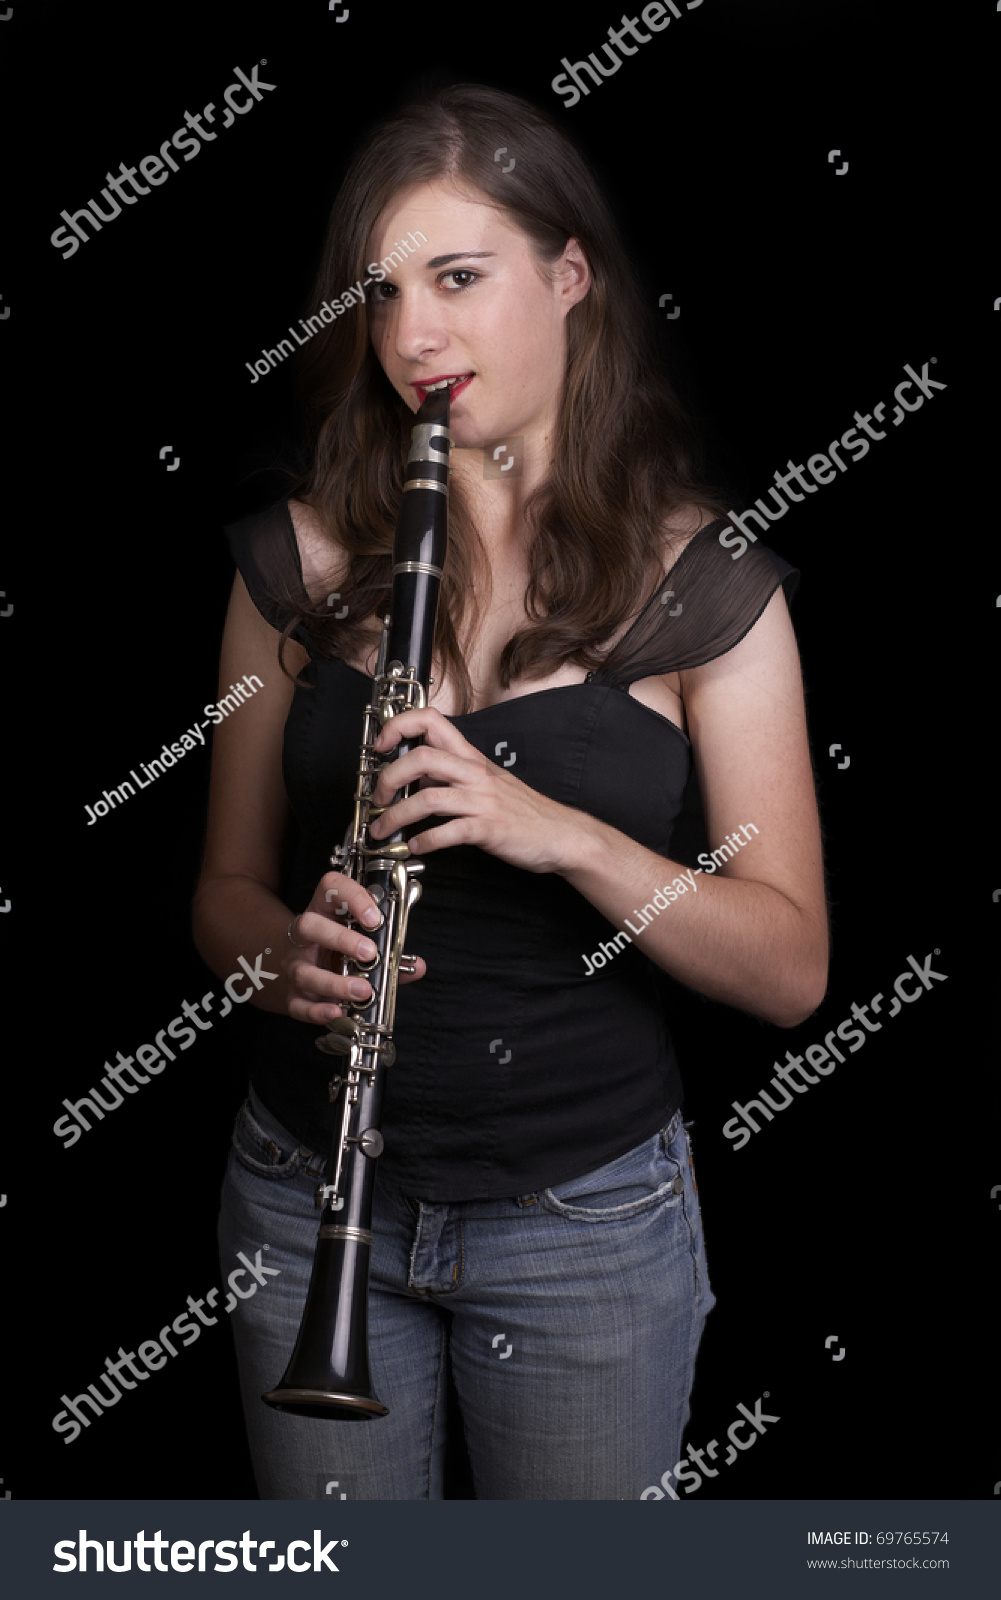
column 574, row 275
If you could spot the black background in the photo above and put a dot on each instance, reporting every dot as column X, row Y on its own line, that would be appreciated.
column 863, row 1215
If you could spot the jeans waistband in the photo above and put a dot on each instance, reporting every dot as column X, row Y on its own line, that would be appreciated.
column 315, row 1161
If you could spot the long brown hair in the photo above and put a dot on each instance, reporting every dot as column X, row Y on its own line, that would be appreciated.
column 623, row 449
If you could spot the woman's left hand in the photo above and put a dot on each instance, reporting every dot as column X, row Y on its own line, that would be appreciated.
column 491, row 808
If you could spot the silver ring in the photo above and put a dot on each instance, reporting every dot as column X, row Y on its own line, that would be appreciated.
column 288, row 935
column 418, row 566
column 358, row 1235
column 426, row 483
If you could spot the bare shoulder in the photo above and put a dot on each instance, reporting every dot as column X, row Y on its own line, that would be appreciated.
column 323, row 560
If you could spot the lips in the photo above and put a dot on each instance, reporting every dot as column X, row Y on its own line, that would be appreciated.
column 456, row 383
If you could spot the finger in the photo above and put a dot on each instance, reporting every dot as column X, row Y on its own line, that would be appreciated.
column 422, row 720
column 346, row 897
column 464, row 830
column 315, row 985
column 316, row 930
column 441, row 766
column 303, row 1011
column 425, row 803
column 306, row 1008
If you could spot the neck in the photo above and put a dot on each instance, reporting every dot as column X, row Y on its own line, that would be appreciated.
column 496, row 498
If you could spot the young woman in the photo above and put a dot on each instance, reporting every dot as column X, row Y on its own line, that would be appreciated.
column 537, row 1228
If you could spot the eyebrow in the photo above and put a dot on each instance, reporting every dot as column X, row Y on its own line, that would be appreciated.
column 457, row 255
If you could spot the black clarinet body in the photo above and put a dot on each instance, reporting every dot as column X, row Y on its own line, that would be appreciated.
column 328, row 1373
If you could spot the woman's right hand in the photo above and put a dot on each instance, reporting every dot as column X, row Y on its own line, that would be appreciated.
column 315, row 994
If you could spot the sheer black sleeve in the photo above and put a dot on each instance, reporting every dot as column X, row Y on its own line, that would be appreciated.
column 266, row 552
column 706, row 605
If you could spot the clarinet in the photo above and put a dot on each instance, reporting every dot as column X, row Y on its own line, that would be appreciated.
column 328, row 1373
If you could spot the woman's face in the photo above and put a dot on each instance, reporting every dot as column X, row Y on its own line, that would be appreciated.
column 471, row 301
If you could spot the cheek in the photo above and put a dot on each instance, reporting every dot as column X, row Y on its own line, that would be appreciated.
column 525, row 341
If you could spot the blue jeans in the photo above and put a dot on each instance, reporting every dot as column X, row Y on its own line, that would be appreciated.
column 571, row 1318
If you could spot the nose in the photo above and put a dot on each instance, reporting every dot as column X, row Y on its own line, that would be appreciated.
column 418, row 330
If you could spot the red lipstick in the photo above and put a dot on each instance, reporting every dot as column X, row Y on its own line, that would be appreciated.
column 455, row 389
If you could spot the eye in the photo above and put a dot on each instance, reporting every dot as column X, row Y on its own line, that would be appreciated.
column 390, row 291
column 460, row 272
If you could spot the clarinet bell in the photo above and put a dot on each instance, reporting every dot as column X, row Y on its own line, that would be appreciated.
column 327, row 1376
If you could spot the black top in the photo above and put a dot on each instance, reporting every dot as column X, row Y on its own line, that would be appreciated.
column 514, row 1068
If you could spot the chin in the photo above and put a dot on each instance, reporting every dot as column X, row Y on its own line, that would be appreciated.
column 465, row 434
column 472, row 438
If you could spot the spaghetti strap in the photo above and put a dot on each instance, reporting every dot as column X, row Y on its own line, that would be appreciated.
column 709, row 600
column 266, row 552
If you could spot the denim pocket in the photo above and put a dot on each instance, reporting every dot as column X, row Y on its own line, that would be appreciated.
column 256, row 1150
column 643, row 1178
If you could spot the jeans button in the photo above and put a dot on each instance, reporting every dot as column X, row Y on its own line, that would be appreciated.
column 679, row 1184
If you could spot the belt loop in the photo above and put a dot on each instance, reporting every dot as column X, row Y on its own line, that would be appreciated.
column 308, row 1157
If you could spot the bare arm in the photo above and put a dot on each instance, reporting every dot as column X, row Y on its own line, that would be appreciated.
column 753, row 934
column 237, row 908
